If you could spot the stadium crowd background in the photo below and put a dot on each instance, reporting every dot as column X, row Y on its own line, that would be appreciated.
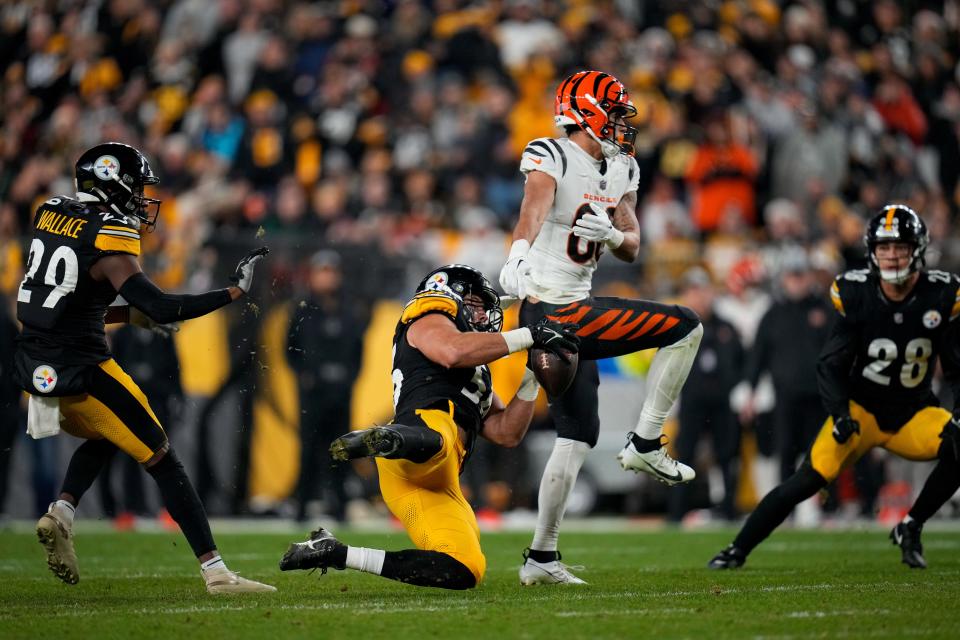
column 390, row 132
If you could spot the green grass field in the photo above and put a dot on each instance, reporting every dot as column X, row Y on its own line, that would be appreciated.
column 645, row 584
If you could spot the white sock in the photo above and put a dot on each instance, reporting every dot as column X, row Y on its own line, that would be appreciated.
column 366, row 560
column 216, row 562
column 668, row 372
column 907, row 519
column 65, row 511
column 559, row 476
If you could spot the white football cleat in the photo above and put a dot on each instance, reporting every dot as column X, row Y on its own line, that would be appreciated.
column 554, row 572
column 56, row 536
column 222, row 580
column 656, row 463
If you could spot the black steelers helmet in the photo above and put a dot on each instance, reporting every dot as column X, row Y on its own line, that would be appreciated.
column 116, row 174
column 463, row 280
column 897, row 223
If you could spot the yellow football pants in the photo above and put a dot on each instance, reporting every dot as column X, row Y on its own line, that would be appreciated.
column 114, row 408
column 918, row 439
column 427, row 499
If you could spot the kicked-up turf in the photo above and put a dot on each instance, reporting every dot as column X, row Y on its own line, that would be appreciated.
column 642, row 585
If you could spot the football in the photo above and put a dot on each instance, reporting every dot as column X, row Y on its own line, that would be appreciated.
column 553, row 374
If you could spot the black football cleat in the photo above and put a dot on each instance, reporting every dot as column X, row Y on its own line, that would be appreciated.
column 394, row 441
column 316, row 553
column 906, row 535
column 729, row 558
column 374, row 442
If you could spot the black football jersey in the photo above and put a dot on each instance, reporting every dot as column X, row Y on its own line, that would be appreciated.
column 418, row 382
column 895, row 344
column 61, row 307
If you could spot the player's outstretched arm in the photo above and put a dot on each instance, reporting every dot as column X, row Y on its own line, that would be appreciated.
column 437, row 337
column 124, row 273
column 538, row 194
column 507, row 425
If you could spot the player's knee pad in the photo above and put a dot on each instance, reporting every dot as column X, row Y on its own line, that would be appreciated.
column 167, row 466
column 949, row 450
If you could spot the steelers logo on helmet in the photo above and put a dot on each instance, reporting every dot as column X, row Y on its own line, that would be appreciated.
column 931, row 319
column 438, row 282
column 106, row 167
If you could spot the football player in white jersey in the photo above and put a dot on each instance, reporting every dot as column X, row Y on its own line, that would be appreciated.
column 580, row 201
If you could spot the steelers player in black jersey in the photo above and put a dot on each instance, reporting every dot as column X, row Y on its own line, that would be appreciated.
column 893, row 321
column 83, row 254
column 443, row 400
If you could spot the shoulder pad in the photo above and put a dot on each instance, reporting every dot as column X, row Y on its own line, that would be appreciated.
column 430, row 302
column 842, row 291
column 117, row 233
column 546, row 155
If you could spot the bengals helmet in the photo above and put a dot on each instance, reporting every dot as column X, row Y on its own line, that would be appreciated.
column 115, row 174
column 599, row 104
column 462, row 280
column 897, row 223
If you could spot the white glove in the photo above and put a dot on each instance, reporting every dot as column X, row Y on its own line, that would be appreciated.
column 515, row 270
column 597, row 227
column 243, row 276
column 142, row 320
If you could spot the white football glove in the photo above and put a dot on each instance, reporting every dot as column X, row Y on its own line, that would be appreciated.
column 243, row 276
column 515, row 270
column 597, row 227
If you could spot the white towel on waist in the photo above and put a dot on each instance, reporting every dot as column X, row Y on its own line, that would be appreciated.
column 43, row 417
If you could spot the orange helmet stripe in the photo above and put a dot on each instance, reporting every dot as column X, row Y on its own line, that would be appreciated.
column 888, row 223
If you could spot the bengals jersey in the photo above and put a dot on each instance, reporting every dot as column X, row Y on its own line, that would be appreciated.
column 562, row 264
column 61, row 307
column 420, row 383
column 882, row 354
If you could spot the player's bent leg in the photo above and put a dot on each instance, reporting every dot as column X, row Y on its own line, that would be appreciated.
column 769, row 514
column 915, row 441
column 393, row 441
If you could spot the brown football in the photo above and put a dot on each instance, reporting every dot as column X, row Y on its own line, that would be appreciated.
column 553, row 374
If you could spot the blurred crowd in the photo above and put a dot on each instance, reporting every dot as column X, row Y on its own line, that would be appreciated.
column 769, row 131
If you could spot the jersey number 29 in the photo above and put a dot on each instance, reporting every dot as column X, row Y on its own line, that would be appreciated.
column 61, row 273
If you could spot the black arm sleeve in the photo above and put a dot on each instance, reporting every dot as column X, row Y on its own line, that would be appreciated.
column 162, row 307
column 757, row 359
column 833, row 368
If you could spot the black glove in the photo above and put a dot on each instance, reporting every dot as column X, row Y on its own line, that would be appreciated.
column 844, row 427
column 951, row 437
column 556, row 337
column 243, row 276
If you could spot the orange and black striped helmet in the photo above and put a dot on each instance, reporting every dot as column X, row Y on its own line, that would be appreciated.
column 897, row 223
column 599, row 104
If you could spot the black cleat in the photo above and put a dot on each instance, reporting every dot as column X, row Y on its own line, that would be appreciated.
column 729, row 558
column 316, row 553
column 907, row 536
column 374, row 442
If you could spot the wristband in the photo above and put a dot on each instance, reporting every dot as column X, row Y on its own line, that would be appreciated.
column 518, row 339
column 615, row 239
column 529, row 387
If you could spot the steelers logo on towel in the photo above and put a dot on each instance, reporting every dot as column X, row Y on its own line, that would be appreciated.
column 44, row 378
column 106, row 167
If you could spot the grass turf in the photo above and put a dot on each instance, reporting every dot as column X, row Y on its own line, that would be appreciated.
column 649, row 584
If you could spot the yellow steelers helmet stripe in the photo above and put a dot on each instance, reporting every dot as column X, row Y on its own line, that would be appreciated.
column 888, row 223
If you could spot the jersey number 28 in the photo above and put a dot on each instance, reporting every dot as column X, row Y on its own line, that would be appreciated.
column 884, row 352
